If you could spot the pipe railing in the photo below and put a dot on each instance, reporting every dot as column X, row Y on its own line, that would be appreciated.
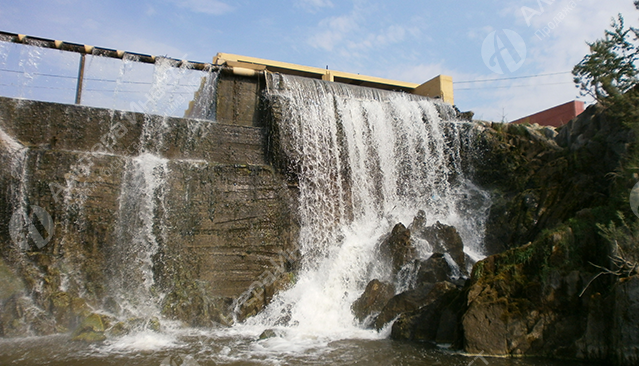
column 84, row 50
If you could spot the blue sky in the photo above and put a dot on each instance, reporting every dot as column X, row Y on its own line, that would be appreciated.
column 409, row 41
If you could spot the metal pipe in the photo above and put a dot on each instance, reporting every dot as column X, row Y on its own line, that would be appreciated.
column 78, row 91
column 241, row 71
column 96, row 51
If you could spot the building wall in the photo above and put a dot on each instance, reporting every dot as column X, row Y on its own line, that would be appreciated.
column 556, row 116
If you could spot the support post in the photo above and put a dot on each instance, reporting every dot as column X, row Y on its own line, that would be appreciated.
column 78, row 91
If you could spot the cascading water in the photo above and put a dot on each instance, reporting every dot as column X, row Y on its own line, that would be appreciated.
column 140, row 231
column 364, row 160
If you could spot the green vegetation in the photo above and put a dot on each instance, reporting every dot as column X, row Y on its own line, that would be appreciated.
column 609, row 71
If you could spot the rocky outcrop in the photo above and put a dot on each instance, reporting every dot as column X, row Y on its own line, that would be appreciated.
column 406, row 301
column 554, row 198
column 427, row 300
column 539, row 180
column 445, row 239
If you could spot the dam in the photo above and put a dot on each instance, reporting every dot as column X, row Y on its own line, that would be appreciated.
column 244, row 230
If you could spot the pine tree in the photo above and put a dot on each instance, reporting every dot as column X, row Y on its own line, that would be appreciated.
column 609, row 71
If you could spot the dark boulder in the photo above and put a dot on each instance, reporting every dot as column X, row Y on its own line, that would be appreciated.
column 436, row 321
column 373, row 299
column 434, row 269
column 411, row 300
column 444, row 239
column 398, row 248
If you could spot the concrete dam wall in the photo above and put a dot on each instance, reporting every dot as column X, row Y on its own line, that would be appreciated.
column 137, row 203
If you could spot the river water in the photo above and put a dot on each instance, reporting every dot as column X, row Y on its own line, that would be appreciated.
column 191, row 347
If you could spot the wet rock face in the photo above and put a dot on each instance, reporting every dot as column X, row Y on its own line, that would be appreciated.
column 538, row 300
column 552, row 194
column 398, row 248
column 443, row 239
column 430, row 309
column 373, row 299
column 435, row 269
column 405, row 302
column 435, row 320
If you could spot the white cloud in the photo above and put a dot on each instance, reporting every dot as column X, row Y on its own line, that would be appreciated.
column 333, row 31
column 353, row 35
column 313, row 5
column 213, row 7
column 150, row 11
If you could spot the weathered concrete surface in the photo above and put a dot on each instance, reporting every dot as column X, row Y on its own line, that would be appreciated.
column 225, row 213
column 238, row 100
column 78, row 128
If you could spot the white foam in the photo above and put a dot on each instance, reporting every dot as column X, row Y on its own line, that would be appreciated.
column 10, row 143
column 143, row 341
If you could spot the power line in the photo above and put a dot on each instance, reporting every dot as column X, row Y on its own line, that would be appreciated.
column 36, row 87
column 91, row 79
column 40, row 74
column 88, row 89
column 512, row 78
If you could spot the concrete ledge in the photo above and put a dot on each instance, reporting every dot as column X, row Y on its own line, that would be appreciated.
column 439, row 87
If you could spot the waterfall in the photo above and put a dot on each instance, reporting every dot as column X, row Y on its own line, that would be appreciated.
column 140, row 230
column 364, row 160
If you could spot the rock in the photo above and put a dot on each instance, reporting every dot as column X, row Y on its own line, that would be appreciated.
column 411, row 300
column 419, row 222
column 191, row 303
column 481, row 316
column 89, row 336
column 60, row 308
column 398, row 248
column 445, row 239
column 373, row 299
column 119, row 329
column 92, row 329
column 434, row 269
column 626, row 322
column 154, row 324
column 268, row 333
column 262, row 294
column 436, row 321
column 21, row 316
column 10, row 283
